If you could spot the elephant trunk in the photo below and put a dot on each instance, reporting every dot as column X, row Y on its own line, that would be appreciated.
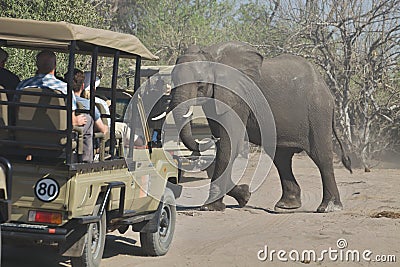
column 188, row 139
column 181, row 112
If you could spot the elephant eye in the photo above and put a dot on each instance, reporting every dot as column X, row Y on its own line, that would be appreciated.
column 201, row 87
column 203, row 90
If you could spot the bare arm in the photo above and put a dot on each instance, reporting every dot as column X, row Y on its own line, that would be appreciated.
column 78, row 120
column 100, row 126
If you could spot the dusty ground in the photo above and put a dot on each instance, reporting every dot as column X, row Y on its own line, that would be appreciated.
column 234, row 237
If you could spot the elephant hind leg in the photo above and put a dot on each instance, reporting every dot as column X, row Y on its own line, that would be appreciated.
column 322, row 155
column 291, row 193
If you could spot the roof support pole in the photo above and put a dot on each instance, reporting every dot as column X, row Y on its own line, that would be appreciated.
column 137, row 73
column 71, row 66
column 93, row 74
column 113, row 102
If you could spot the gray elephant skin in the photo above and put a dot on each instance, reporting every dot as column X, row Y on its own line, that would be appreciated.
column 302, row 106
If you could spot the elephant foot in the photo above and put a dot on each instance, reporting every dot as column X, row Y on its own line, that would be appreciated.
column 290, row 202
column 241, row 193
column 217, row 205
column 330, row 206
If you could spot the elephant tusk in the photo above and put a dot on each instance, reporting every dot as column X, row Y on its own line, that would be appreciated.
column 159, row 116
column 189, row 113
column 215, row 139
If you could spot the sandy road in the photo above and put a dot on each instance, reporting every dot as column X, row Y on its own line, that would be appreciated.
column 234, row 237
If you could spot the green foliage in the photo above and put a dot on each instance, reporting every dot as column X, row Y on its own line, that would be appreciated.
column 22, row 62
column 167, row 27
column 74, row 11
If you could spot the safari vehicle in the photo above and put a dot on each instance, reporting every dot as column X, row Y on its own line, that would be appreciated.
column 48, row 196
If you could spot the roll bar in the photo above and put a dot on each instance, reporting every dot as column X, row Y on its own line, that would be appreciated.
column 68, row 100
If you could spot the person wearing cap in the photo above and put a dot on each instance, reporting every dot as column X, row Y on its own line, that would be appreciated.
column 97, row 100
column 8, row 80
column 45, row 78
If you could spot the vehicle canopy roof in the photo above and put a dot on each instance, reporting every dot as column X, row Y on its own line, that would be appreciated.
column 35, row 34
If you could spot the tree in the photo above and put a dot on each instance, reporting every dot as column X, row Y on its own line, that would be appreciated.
column 356, row 43
column 168, row 27
column 256, row 23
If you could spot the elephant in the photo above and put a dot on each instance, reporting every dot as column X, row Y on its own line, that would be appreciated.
column 302, row 107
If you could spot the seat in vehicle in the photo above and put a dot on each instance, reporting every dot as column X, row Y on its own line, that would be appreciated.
column 44, row 126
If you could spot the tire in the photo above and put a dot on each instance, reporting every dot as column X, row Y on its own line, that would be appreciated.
column 158, row 243
column 94, row 244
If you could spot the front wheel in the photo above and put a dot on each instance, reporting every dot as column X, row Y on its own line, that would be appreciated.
column 158, row 243
column 94, row 244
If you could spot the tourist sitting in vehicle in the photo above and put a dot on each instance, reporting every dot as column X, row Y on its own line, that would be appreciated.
column 78, row 87
column 7, row 79
column 45, row 78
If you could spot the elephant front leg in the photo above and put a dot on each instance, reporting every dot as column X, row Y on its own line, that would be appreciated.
column 221, row 182
column 241, row 193
column 291, row 193
column 219, row 179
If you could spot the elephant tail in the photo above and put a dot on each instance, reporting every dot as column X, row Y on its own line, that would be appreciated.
column 345, row 158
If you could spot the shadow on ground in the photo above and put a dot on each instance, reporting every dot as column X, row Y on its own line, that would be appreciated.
column 120, row 245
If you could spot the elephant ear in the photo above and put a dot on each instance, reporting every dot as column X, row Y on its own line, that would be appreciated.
column 243, row 58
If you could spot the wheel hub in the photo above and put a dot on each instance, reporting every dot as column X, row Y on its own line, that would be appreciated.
column 164, row 223
column 95, row 237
